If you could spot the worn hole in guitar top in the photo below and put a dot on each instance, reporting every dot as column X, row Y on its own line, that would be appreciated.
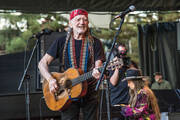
column 68, row 84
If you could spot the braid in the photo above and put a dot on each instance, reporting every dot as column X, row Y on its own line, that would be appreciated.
column 91, row 42
column 65, row 46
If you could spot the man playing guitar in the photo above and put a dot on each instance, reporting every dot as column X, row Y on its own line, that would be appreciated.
column 78, row 49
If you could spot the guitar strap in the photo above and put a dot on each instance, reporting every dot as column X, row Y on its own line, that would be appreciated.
column 65, row 46
column 73, row 99
column 83, row 54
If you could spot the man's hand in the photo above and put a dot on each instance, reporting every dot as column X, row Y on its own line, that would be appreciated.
column 96, row 74
column 53, row 87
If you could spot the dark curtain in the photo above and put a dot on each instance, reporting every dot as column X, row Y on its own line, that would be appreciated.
column 158, row 51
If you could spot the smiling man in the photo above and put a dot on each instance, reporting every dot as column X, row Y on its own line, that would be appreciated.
column 80, row 50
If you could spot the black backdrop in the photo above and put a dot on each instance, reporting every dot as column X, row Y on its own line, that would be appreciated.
column 12, row 69
column 45, row 6
column 158, row 51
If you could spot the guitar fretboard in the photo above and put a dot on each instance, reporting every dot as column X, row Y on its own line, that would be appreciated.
column 88, row 75
column 83, row 77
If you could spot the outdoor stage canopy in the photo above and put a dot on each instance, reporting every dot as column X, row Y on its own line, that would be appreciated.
column 46, row 6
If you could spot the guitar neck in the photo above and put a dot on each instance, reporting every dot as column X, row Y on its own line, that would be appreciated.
column 88, row 75
column 84, row 77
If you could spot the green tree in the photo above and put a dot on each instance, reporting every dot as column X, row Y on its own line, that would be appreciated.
column 21, row 27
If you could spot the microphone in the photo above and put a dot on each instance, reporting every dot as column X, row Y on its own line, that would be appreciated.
column 43, row 32
column 122, row 14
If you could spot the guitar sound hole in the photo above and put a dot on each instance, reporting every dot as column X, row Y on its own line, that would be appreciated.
column 68, row 84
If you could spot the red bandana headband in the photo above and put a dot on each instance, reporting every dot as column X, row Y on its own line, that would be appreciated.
column 78, row 12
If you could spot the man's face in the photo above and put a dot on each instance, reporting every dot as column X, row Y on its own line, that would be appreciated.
column 79, row 24
column 158, row 78
column 122, row 50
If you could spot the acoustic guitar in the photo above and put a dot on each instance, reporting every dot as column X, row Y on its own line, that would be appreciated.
column 75, row 86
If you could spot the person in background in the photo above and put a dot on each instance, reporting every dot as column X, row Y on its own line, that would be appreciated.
column 142, row 103
column 119, row 91
column 80, row 50
column 160, row 83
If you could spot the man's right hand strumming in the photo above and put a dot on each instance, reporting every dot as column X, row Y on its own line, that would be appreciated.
column 43, row 67
column 53, row 87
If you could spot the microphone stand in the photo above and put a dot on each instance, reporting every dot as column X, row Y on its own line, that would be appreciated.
column 26, row 78
column 106, row 63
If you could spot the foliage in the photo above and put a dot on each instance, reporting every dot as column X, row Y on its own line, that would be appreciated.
column 15, row 45
column 19, row 28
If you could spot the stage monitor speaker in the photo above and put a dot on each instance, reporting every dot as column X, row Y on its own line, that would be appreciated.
column 174, row 116
column 45, row 43
column 13, row 107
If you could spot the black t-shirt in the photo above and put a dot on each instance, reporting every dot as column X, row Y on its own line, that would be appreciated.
column 56, row 51
column 119, row 94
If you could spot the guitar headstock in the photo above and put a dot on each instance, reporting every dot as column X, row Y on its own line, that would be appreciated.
column 115, row 63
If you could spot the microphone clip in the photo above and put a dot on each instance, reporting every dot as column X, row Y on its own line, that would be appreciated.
column 43, row 32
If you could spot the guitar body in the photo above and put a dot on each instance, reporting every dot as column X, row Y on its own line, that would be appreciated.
column 72, row 84
column 62, row 99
